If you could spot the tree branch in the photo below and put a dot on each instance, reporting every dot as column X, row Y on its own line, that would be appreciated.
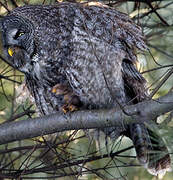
column 87, row 119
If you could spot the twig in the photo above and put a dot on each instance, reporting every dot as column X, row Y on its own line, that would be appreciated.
column 161, row 83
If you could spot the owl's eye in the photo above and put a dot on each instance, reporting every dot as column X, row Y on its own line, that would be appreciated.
column 18, row 34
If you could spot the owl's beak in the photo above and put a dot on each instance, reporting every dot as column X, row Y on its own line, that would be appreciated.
column 10, row 51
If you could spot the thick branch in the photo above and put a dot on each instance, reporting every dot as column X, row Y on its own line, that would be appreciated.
column 59, row 122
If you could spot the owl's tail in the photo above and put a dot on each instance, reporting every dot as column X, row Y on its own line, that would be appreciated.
column 150, row 149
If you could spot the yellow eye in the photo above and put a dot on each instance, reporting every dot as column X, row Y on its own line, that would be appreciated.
column 20, row 34
column 10, row 52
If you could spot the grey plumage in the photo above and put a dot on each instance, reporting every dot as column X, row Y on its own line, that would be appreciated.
column 87, row 50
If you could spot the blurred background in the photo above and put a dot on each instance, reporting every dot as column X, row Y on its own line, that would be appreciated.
column 71, row 155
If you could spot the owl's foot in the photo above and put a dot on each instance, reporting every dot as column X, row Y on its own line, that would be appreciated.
column 70, row 101
column 69, row 108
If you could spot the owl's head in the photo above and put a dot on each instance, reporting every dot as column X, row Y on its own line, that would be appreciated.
column 17, row 40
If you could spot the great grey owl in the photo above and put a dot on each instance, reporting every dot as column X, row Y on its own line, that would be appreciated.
column 82, row 56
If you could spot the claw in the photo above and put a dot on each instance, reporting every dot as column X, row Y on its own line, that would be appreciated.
column 73, row 108
column 69, row 108
column 65, row 110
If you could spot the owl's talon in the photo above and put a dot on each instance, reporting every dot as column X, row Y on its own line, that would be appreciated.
column 69, row 108
column 72, row 108
column 65, row 110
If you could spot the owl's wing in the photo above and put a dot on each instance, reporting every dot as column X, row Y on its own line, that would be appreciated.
column 134, row 82
column 111, row 26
